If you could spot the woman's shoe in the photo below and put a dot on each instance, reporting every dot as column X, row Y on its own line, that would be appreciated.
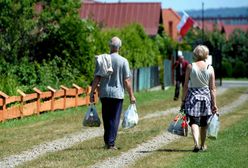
column 203, row 148
column 196, row 149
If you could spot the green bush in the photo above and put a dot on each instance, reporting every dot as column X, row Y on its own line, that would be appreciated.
column 227, row 69
column 57, row 47
column 139, row 49
column 239, row 69
column 9, row 84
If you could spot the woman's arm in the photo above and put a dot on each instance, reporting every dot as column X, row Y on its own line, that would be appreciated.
column 212, row 88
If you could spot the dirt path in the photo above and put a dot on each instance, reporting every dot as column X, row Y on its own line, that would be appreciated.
column 72, row 139
column 128, row 158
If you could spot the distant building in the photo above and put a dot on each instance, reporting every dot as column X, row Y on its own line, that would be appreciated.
column 227, row 29
column 170, row 22
column 239, row 20
column 117, row 15
column 230, row 28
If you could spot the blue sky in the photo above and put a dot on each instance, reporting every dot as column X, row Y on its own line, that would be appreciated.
column 180, row 5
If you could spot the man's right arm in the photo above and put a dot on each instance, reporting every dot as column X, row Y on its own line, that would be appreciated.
column 128, row 86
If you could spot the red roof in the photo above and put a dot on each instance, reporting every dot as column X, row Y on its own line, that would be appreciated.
column 209, row 26
column 230, row 28
column 117, row 15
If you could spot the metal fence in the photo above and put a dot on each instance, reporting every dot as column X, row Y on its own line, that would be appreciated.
column 145, row 78
column 169, row 73
column 188, row 56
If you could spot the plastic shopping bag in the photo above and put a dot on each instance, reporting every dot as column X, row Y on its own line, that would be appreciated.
column 179, row 125
column 213, row 127
column 130, row 117
column 91, row 118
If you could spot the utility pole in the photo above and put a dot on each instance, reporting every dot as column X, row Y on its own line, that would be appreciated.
column 202, row 22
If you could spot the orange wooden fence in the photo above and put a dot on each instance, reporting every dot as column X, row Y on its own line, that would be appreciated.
column 29, row 104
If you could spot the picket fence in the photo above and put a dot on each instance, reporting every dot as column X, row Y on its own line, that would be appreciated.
column 12, row 107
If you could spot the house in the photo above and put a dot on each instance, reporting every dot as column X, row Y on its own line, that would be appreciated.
column 227, row 29
column 117, row 15
column 170, row 21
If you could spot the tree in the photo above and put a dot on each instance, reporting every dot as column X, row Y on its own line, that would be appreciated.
column 165, row 44
column 16, row 25
column 46, row 42
column 235, row 51
column 64, row 34
column 237, row 46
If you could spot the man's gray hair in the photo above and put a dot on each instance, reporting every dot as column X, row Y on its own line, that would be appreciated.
column 115, row 42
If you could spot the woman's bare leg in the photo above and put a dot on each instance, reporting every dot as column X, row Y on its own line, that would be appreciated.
column 195, row 131
column 203, row 136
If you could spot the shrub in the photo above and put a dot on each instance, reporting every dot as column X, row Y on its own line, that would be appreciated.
column 227, row 69
column 8, row 84
column 239, row 69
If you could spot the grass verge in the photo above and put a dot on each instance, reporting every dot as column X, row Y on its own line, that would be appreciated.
column 20, row 135
column 229, row 150
column 91, row 151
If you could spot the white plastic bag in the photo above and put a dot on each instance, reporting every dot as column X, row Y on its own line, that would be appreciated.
column 131, row 117
column 213, row 127
column 91, row 118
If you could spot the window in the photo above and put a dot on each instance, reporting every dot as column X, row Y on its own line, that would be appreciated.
column 171, row 29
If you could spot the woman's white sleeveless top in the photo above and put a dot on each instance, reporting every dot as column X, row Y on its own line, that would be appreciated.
column 200, row 78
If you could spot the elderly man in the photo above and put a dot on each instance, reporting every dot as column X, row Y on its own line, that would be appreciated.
column 112, row 92
column 180, row 66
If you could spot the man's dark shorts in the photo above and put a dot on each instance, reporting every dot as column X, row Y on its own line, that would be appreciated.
column 201, row 121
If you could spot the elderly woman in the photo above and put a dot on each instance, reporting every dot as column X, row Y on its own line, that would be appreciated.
column 199, row 95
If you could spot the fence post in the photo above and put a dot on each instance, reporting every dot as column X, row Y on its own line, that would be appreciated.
column 53, row 97
column 88, row 90
column 3, row 111
column 38, row 99
column 167, row 73
column 22, row 101
column 65, row 92
column 77, row 91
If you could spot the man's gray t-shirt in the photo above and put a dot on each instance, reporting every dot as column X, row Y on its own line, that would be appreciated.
column 113, row 86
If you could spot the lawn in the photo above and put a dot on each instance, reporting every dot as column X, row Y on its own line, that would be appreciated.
column 22, row 134
column 229, row 150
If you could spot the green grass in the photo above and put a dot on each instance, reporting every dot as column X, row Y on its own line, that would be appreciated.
column 89, row 152
column 229, row 150
column 22, row 134
column 143, row 99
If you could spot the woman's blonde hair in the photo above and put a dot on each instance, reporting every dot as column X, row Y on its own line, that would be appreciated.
column 201, row 53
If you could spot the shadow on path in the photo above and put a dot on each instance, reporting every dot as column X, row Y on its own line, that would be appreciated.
column 167, row 150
